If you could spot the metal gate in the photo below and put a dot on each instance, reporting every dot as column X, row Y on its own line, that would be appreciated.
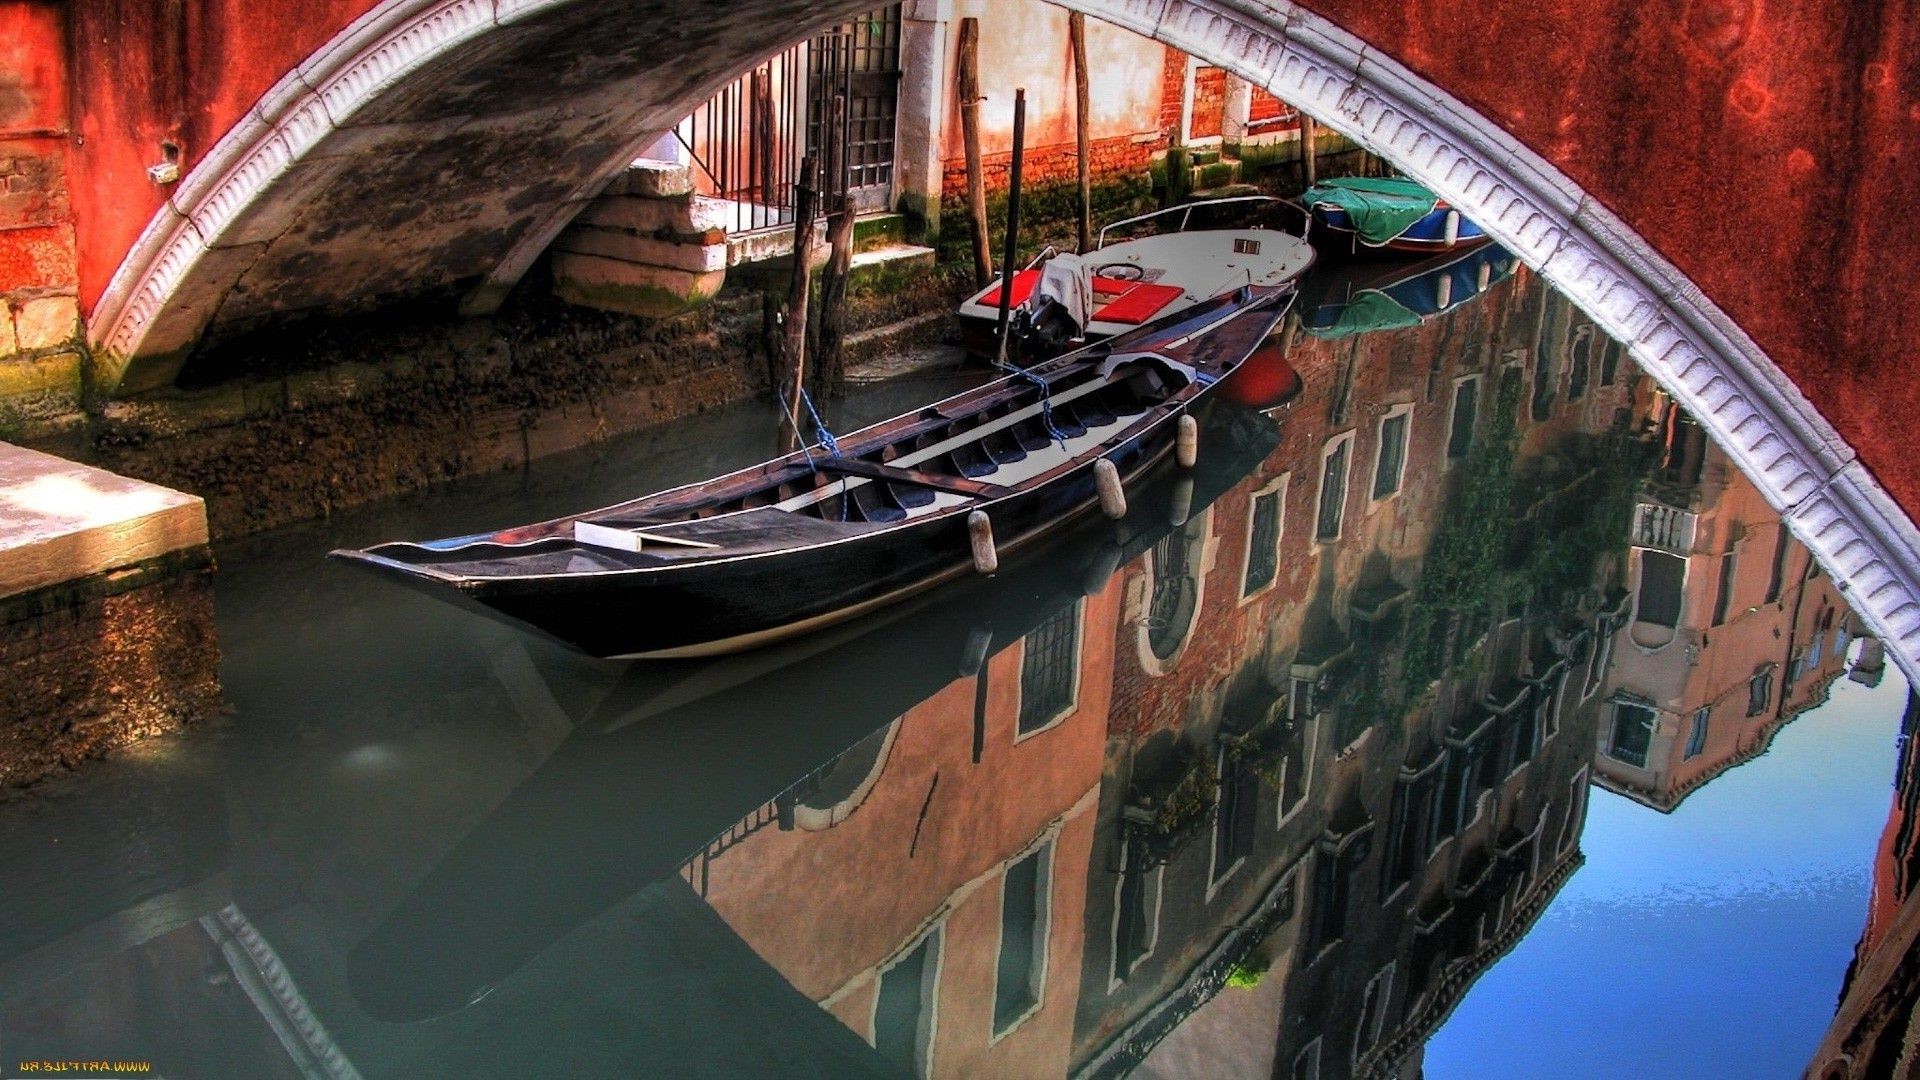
column 747, row 141
column 860, row 59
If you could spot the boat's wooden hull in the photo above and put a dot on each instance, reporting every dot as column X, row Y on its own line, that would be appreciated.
column 1334, row 233
column 809, row 540
column 728, row 606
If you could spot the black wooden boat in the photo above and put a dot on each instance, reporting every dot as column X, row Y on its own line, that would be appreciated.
column 819, row 536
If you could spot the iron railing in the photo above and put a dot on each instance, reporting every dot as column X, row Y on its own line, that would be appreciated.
column 746, row 143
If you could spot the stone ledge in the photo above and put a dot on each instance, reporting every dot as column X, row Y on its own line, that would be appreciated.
column 61, row 521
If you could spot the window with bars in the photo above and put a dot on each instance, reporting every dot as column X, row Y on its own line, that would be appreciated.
column 1049, row 666
column 1632, row 734
column 1333, row 490
column 1466, row 407
column 1020, row 974
column 1389, row 463
column 1176, row 590
column 1263, row 540
column 1759, row 691
column 861, row 60
column 747, row 141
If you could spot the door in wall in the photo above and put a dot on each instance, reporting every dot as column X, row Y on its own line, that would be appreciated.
column 861, row 59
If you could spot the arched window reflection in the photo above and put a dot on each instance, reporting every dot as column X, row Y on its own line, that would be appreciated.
column 1177, row 578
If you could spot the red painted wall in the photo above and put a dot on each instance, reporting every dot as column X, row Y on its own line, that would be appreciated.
column 36, row 218
column 183, row 71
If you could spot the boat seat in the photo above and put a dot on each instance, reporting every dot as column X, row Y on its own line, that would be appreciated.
column 971, row 461
column 1138, row 304
column 1003, row 448
column 1023, row 283
column 1115, row 299
column 957, row 485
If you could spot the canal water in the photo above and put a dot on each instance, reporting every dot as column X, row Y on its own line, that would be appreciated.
column 1467, row 712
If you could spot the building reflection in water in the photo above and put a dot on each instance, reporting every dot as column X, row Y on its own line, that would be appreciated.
column 1873, row 1032
column 1257, row 781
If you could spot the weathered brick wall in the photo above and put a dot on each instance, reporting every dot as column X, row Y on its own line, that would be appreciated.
column 1173, row 87
column 1209, row 102
column 92, row 665
column 1266, row 107
column 1121, row 155
column 39, row 310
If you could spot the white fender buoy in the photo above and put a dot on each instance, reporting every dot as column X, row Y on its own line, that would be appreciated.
column 980, row 532
column 1182, row 507
column 1106, row 481
column 1186, row 441
column 1453, row 227
column 1443, row 291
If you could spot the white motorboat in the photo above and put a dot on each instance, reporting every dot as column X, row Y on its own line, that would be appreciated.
column 1140, row 269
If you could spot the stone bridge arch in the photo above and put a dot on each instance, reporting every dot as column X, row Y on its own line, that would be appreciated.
column 319, row 185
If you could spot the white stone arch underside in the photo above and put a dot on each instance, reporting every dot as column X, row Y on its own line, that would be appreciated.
column 1691, row 348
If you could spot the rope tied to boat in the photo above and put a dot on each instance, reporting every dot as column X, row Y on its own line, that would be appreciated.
column 1046, row 397
column 821, row 434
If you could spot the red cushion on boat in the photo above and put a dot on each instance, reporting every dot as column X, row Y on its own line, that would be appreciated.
column 1023, row 283
column 1138, row 304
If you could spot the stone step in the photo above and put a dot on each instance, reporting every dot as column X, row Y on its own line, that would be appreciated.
column 874, row 231
column 653, row 180
column 626, row 246
column 876, row 262
column 871, row 232
column 1219, row 174
column 690, row 217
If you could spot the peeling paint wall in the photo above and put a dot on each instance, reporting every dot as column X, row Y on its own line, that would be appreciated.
column 40, row 364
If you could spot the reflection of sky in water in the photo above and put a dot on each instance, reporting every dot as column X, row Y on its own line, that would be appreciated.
column 1711, row 942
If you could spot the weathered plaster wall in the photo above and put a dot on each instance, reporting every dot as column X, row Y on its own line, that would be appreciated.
column 39, row 315
column 1026, row 45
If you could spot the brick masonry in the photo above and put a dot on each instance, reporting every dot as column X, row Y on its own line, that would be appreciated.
column 1266, row 107
column 1124, row 154
column 40, row 358
column 1209, row 102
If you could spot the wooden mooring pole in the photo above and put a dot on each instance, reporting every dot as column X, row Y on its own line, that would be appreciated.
column 1307, row 146
column 795, row 352
column 1013, row 218
column 829, row 360
column 1077, row 30
column 970, row 137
